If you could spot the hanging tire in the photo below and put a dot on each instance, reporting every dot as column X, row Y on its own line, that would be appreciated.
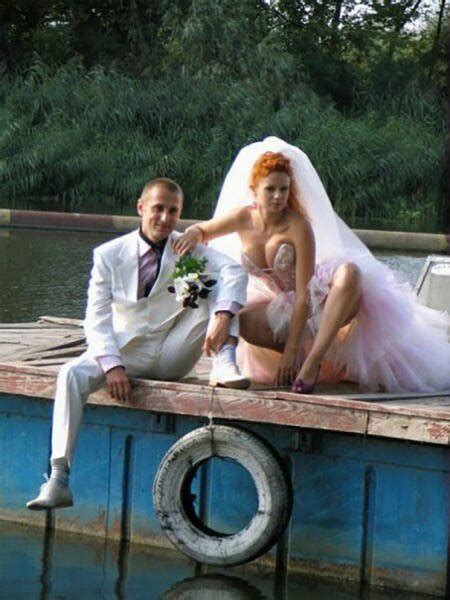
column 173, row 503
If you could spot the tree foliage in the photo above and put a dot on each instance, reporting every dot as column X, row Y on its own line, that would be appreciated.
column 98, row 95
column 339, row 47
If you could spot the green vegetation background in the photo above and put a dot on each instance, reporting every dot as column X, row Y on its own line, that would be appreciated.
column 98, row 96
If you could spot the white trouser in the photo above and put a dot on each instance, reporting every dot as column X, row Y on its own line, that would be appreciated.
column 168, row 356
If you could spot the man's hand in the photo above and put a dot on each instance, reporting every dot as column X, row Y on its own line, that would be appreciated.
column 218, row 333
column 118, row 384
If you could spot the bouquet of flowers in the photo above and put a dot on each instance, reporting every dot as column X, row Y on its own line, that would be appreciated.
column 190, row 282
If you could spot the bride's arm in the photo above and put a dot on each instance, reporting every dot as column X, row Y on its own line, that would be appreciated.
column 201, row 233
column 303, row 240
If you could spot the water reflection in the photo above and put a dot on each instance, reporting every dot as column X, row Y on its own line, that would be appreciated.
column 214, row 585
column 47, row 557
column 49, row 564
column 122, row 569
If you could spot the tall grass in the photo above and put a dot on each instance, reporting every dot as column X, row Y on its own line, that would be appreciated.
column 88, row 141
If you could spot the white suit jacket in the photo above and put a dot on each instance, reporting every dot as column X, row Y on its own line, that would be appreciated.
column 114, row 315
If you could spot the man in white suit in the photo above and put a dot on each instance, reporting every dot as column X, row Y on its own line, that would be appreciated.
column 135, row 327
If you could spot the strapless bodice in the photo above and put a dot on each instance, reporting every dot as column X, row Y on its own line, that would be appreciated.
column 279, row 277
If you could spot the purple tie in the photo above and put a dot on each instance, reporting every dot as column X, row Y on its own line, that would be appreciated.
column 148, row 268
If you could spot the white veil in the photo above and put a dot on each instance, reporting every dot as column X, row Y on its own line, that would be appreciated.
column 333, row 237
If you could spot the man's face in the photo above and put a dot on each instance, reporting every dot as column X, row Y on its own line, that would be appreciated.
column 160, row 210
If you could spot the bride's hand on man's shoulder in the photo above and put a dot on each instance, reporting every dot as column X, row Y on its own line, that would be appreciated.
column 187, row 240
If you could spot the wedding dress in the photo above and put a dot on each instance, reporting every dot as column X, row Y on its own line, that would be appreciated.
column 393, row 344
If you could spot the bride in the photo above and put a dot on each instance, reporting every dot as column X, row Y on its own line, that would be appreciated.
column 320, row 305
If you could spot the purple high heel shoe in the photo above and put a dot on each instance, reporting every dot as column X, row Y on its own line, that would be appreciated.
column 301, row 387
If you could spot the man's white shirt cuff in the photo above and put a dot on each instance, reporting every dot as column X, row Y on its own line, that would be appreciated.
column 227, row 305
column 109, row 361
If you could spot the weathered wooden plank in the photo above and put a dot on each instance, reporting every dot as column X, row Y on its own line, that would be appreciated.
column 28, row 326
column 66, row 341
column 72, row 323
column 15, row 354
column 11, row 338
column 8, row 348
column 39, row 382
column 197, row 400
column 412, row 428
column 32, row 334
column 383, row 397
column 205, row 401
column 27, row 343
column 438, row 402
column 7, row 356
column 288, row 412
column 13, row 381
column 439, row 412
column 265, row 407
column 45, row 362
column 66, row 352
column 401, row 408
column 68, row 345
column 185, row 399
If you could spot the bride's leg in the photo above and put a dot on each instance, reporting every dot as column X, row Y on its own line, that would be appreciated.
column 254, row 328
column 341, row 305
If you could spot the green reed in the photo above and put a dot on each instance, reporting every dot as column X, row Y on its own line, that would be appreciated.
column 88, row 141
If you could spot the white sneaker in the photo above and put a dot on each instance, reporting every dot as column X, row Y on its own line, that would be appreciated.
column 53, row 494
column 226, row 374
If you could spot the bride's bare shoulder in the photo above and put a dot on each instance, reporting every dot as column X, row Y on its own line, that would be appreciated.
column 242, row 214
column 245, row 211
column 300, row 232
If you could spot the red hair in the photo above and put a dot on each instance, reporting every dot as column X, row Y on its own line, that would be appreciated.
column 276, row 162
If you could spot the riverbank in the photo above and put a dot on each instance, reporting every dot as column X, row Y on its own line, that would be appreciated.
column 374, row 239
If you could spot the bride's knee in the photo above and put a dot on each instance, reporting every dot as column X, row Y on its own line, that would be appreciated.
column 251, row 325
column 348, row 276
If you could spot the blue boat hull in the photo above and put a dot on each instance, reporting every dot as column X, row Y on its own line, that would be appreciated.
column 365, row 509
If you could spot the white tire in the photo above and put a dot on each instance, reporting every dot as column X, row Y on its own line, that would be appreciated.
column 186, row 531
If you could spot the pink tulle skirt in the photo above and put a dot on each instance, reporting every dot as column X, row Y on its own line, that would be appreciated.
column 393, row 344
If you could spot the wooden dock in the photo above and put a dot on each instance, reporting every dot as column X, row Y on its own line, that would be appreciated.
column 31, row 354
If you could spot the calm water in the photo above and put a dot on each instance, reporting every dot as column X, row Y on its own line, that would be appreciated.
column 35, row 565
column 46, row 272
